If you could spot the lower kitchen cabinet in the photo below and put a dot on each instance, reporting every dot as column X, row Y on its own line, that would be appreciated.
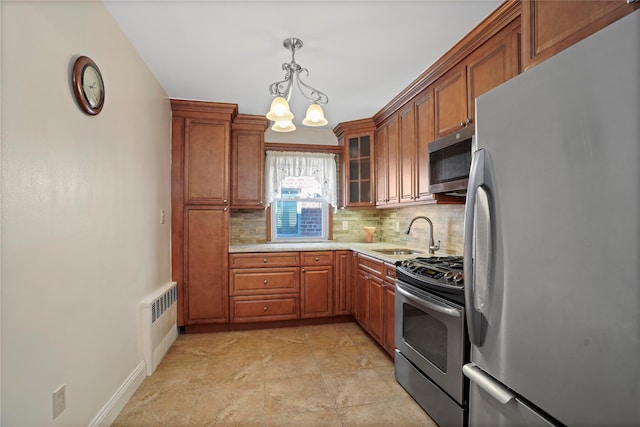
column 264, row 308
column 362, row 291
column 316, row 276
column 264, row 287
column 205, row 259
column 370, row 298
column 316, row 294
column 342, row 295
column 376, row 319
column 388, row 309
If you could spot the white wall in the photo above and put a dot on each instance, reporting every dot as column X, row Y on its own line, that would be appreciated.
column 302, row 135
column 81, row 236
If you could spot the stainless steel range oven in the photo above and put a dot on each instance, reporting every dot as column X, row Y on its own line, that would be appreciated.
column 431, row 340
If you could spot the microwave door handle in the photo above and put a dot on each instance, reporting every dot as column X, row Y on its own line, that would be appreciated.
column 428, row 305
column 476, row 180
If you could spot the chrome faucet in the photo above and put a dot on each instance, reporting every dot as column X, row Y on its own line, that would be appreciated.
column 432, row 246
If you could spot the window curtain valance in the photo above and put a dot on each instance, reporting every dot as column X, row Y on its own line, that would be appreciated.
column 283, row 164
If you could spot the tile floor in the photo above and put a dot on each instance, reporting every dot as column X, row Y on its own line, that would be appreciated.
column 325, row 375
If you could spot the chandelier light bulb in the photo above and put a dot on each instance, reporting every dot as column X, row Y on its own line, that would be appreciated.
column 315, row 116
column 280, row 110
column 283, row 126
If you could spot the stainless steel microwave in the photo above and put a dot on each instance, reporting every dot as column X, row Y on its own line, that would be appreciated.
column 450, row 161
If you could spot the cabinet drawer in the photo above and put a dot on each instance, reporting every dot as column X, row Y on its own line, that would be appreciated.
column 317, row 258
column 260, row 309
column 371, row 265
column 264, row 259
column 252, row 281
column 389, row 273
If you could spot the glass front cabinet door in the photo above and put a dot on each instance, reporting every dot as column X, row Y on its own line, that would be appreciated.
column 358, row 184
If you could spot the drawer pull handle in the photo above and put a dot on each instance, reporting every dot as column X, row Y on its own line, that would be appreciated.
column 264, row 308
column 265, row 281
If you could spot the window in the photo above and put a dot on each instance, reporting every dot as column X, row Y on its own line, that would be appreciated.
column 300, row 187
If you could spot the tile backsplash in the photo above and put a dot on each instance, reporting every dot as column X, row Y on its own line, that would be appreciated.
column 249, row 226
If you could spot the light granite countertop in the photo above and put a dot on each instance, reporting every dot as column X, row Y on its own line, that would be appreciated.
column 363, row 248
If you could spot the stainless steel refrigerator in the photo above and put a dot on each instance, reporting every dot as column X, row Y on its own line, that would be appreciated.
column 552, row 240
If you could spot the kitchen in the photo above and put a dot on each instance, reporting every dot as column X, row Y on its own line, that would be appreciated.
column 72, row 225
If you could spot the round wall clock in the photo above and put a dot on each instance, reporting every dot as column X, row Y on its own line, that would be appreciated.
column 88, row 86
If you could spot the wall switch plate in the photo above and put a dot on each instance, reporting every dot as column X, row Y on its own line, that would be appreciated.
column 59, row 400
column 345, row 225
column 397, row 226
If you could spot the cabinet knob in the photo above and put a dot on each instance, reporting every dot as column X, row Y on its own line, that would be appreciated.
column 303, row 270
column 468, row 121
column 461, row 124
column 225, row 209
column 264, row 308
column 264, row 260
column 265, row 281
column 224, row 201
column 317, row 259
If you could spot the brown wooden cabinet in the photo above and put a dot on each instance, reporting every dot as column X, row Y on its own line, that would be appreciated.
column 549, row 27
column 206, row 162
column 425, row 133
column 358, row 180
column 200, row 137
column 264, row 286
column 205, row 264
column 362, row 304
column 342, row 295
column 388, row 308
column 493, row 62
column 450, row 97
column 386, row 165
column 376, row 308
column 247, row 161
column 407, row 149
column 370, row 296
column 316, row 293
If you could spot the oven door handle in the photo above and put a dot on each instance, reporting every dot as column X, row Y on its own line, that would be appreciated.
column 427, row 304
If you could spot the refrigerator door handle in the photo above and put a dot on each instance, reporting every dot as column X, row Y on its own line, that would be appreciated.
column 476, row 180
column 495, row 389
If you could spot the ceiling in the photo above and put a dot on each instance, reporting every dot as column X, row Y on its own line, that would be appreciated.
column 360, row 53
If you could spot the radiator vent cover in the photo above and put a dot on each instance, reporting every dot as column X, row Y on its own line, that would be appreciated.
column 163, row 303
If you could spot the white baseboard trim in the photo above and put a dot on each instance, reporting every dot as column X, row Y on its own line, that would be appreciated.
column 116, row 403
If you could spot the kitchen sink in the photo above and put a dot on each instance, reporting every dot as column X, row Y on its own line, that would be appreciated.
column 397, row 251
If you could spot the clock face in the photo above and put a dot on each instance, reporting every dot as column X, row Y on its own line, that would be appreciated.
column 88, row 86
column 92, row 86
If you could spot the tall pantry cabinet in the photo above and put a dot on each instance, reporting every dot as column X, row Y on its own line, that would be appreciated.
column 201, row 141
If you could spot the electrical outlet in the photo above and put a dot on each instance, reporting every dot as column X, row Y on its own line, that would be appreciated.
column 59, row 400
column 345, row 225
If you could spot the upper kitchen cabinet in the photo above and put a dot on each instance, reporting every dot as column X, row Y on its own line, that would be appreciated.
column 407, row 144
column 247, row 161
column 357, row 140
column 549, row 27
column 386, row 166
column 491, row 64
column 204, row 133
column 425, row 132
column 450, row 95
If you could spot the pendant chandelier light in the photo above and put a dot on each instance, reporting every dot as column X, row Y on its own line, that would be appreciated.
column 280, row 113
